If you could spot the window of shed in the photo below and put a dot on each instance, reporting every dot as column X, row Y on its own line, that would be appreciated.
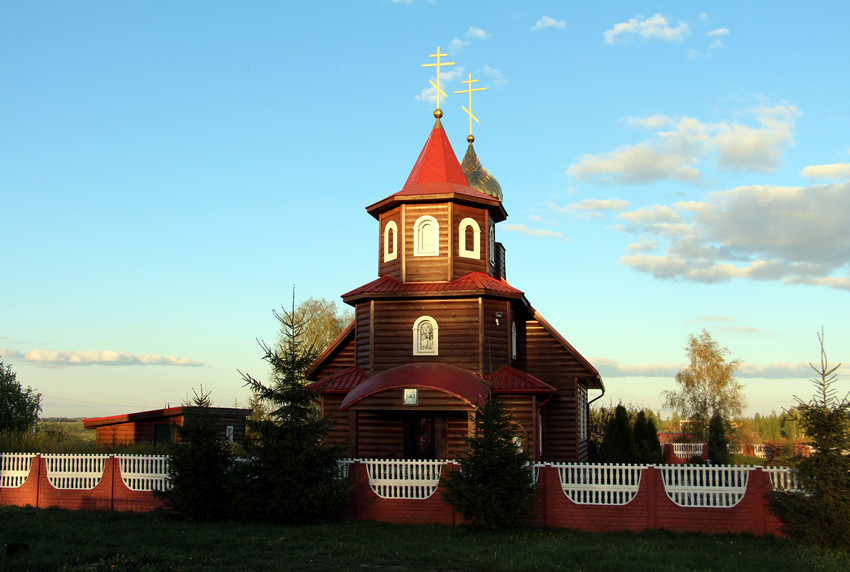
column 390, row 241
column 426, row 233
column 425, row 332
column 470, row 239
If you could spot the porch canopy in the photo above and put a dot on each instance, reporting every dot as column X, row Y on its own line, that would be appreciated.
column 442, row 377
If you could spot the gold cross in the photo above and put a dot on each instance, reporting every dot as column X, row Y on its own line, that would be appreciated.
column 439, row 63
column 469, row 90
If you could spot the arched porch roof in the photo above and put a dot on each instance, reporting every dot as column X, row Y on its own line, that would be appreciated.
column 443, row 377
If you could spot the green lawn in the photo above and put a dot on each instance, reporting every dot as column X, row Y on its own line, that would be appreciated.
column 54, row 539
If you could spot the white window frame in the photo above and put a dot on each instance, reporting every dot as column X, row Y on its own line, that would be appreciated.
column 417, row 236
column 465, row 251
column 390, row 246
column 492, row 243
column 513, row 340
column 418, row 349
column 581, row 404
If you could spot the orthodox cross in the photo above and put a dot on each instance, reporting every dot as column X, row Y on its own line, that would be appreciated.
column 469, row 90
column 439, row 63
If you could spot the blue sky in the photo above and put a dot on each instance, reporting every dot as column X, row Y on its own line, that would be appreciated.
column 168, row 172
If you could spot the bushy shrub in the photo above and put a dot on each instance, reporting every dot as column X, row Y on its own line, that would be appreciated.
column 494, row 485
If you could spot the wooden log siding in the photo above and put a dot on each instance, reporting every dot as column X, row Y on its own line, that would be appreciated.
column 457, row 321
column 379, row 436
column 427, row 268
column 463, row 266
column 549, row 361
column 363, row 336
column 523, row 417
column 495, row 348
column 393, row 267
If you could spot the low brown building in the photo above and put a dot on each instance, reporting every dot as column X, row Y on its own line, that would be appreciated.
column 160, row 425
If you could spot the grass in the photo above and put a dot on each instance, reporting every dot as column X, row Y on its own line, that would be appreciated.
column 55, row 539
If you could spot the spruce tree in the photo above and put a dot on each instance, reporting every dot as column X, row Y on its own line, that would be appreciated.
column 820, row 511
column 718, row 443
column 646, row 439
column 200, row 465
column 290, row 476
column 618, row 445
column 494, row 485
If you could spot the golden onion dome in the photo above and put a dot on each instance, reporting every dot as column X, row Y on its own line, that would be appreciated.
column 477, row 176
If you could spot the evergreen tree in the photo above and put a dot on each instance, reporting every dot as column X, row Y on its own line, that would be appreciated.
column 290, row 476
column 820, row 511
column 646, row 440
column 494, row 485
column 200, row 465
column 718, row 443
column 618, row 445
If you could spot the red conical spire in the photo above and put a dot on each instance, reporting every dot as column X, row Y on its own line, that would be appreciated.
column 437, row 163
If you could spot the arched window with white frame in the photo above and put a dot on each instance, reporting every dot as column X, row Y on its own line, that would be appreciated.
column 426, row 236
column 390, row 241
column 425, row 336
column 469, row 235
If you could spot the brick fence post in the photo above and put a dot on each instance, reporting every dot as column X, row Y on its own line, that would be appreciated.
column 651, row 474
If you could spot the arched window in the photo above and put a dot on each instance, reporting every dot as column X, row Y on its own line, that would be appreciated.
column 426, row 236
column 513, row 340
column 390, row 241
column 425, row 332
column 468, row 250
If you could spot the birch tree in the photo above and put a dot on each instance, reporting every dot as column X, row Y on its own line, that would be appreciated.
column 707, row 385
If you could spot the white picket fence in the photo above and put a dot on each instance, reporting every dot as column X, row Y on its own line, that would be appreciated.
column 705, row 487
column 600, row 484
column 782, row 478
column 144, row 472
column 14, row 469
column 612, row 485
column 403, row 478
column 687, row 450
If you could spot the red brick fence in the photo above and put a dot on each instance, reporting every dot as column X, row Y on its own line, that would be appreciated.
column 586, row 497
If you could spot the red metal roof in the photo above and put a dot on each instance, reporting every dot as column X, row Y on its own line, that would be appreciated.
column 472, row 282
column 437, row 162
column 509, row 379
column 342, row 381
column 450, row 379
column 156, row 414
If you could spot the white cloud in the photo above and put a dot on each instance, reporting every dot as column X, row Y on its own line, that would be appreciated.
column 635, row 164
column 547, row 22
column 800, row 235
column 56, row 358
column 609, row 367
column 655, row 27
column 590, row 208
column 833, row 172
column 536, row 232
column 719, row 32
column 477, row 33
column 677, row 146
column 446, row 78
column 497, row 78
column 456, row 45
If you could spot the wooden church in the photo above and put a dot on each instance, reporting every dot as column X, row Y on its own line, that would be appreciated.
column 441, row 327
